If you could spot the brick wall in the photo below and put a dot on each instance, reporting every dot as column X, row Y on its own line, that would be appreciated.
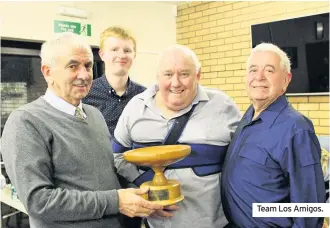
column 219, row 33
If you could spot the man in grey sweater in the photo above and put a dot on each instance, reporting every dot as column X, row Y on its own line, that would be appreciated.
column 57, row 150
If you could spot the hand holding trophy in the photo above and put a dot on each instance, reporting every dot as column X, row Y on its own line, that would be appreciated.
column 164, row 191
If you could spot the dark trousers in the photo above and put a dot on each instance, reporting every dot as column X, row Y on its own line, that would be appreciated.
column 231, row 225
column 128, row 222
column 145, row 222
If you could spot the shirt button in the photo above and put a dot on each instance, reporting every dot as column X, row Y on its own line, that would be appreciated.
column 109, row 91
column 119, row 100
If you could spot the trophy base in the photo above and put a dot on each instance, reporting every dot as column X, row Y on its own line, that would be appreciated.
column 167, row 194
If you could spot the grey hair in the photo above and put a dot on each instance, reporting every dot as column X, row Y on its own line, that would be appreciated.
column 183, row 48
column 51, row 49
column 285, row 61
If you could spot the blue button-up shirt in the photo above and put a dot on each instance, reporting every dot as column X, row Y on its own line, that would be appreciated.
column 274, row 158
column 104, row 97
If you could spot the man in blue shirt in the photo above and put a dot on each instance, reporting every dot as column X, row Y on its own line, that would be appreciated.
column 111, row 92
column 274, row 156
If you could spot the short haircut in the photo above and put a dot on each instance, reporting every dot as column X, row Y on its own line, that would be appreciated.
column 51, row 49
column 263, row 47
column 116, row 32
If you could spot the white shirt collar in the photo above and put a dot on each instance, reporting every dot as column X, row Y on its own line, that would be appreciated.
column 61, row 104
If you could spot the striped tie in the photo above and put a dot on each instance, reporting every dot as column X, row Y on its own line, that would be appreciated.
column 79, row 114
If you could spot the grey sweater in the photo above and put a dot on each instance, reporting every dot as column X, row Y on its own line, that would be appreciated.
column 62, row 167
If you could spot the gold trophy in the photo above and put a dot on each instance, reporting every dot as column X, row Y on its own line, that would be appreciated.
column 165, row 192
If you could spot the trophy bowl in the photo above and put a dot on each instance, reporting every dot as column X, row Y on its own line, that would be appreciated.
column 164, row 191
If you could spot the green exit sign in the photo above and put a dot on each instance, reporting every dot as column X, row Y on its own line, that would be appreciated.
column 68, row 26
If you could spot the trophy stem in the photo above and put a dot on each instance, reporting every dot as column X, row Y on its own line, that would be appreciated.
column 159, row 178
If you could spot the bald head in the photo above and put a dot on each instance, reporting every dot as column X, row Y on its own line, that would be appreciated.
column 178, row 77
column 173, row 52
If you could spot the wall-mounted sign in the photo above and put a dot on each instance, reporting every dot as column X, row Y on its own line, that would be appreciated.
column 68, row 26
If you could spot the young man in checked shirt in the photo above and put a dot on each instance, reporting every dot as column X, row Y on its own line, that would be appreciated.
column 111, row 92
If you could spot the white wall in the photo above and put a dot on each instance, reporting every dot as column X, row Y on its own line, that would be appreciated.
column 152, row 23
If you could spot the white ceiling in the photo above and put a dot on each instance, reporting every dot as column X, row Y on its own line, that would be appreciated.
column 174, row 2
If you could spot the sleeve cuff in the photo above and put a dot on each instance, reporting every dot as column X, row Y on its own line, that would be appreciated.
column 111, row 202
